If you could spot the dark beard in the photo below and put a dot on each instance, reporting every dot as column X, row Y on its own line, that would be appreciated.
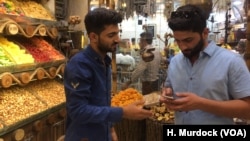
column 105, row 48
column 191, row 53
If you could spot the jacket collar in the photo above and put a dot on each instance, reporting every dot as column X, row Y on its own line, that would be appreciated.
column 89, row 51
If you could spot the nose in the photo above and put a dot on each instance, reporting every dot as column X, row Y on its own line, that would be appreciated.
column 181, row 45
column 117, row 39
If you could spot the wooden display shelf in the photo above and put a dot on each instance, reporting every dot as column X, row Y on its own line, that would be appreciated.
column 23, row 67
column 44, row 64
column 39, row 125
column 9, row 68
column 28, row 27
column 8, row 79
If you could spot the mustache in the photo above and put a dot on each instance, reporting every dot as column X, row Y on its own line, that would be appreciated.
column 116, row 43
column 187, row 50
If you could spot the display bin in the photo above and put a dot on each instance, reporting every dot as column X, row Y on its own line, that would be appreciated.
column 24, row 67
column 35, row 112
column 154, row 129
column 46, row 126
column 7, row 68
column 131, row 130
column 10, row 67
column 150, row 129
column 140, row 130
column 59, row 62
column 2, row 126
column 52, row 63
column 44, row 64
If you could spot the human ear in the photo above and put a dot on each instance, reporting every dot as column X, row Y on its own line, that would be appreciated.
column 205, row 33
column 93, row 37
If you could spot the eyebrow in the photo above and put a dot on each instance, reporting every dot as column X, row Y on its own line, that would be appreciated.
column 188, row 38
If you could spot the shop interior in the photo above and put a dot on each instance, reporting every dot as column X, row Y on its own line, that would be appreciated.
column 35, row 86
column 227, row 22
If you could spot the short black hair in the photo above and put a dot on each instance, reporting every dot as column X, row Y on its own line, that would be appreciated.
column 188, row 18
column 96, row 20
column 147, row 36
column 242, row 43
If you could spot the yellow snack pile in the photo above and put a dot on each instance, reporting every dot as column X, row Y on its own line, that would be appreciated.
column 126, row 97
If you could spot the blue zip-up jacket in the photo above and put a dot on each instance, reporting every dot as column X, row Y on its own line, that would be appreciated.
column 87, row 82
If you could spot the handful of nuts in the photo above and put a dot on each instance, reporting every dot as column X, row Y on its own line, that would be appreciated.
column 162, row 114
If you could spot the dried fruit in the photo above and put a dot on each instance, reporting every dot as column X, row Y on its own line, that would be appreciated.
column 126, row 97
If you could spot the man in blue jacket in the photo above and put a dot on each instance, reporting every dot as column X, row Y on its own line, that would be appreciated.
column 87, row 81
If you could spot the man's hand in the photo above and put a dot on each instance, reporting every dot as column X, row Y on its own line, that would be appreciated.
column 135, row 111
column 166, row 93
